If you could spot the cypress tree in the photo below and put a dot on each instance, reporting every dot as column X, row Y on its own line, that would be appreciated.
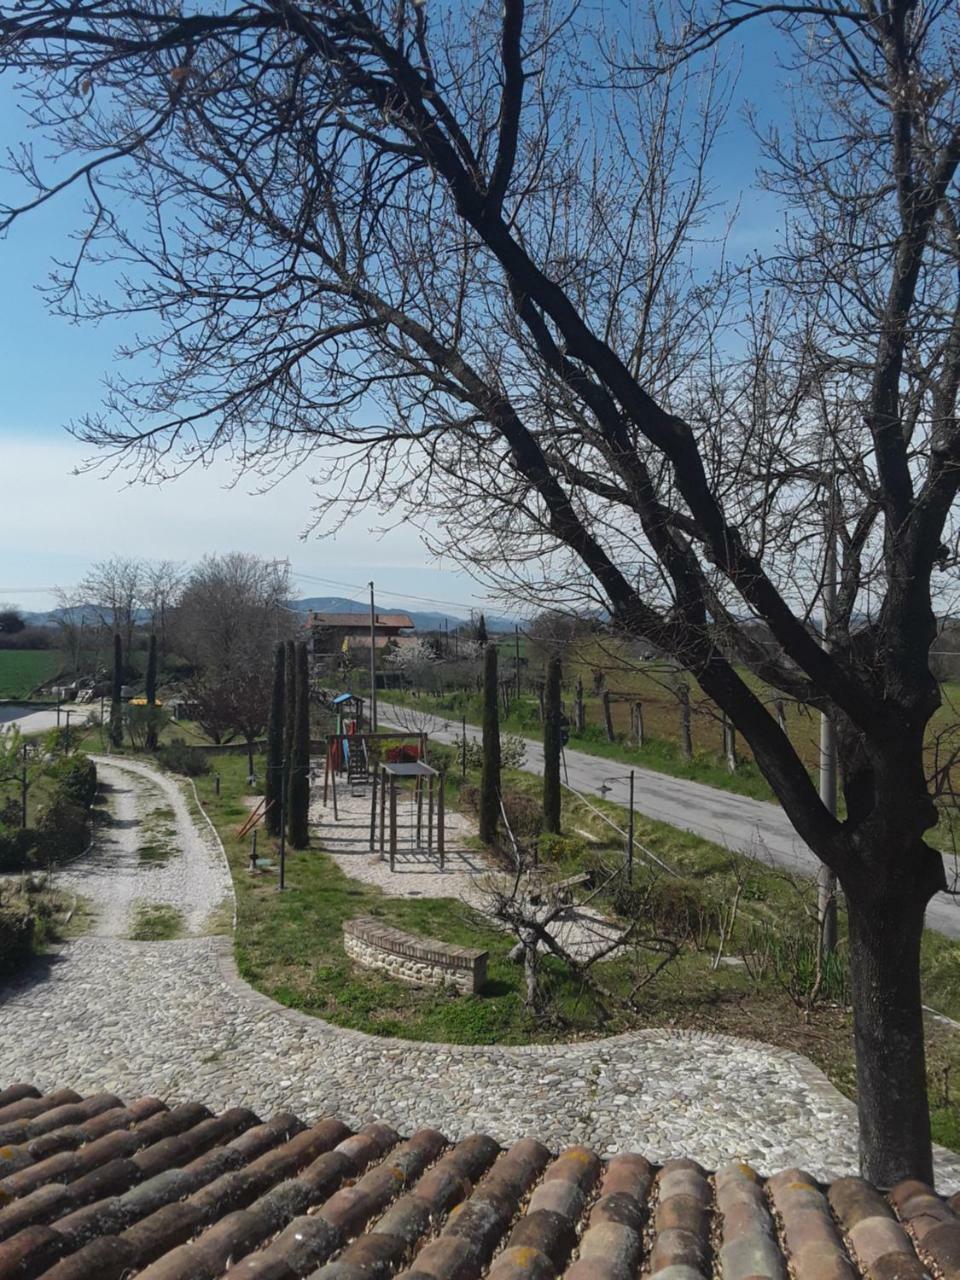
column 273, row 781
column 482, row 632
column 298, row 785
column 151, row 691
column 116, row 694
column 490, row 775
column 289, row 702
column 552, row 746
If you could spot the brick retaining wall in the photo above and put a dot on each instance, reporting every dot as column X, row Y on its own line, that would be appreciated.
column 423, row 961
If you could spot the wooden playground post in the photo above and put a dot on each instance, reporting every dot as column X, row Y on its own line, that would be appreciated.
column 326, row 769
column 441, row 845
column 333, row 788
column 383, row 807
column 430, row 814
column 419, row 790
column 393, row 821
column 373, row 812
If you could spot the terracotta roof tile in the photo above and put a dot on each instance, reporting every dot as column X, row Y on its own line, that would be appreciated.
column 95, row 1189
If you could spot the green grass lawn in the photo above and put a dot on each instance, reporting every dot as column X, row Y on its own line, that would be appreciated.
column 289, row 945
column 22, row 670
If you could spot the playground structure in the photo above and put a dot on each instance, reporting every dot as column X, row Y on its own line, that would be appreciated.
column 357, row 753
column 425, row 778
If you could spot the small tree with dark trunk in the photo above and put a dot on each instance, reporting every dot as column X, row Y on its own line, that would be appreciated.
column 274, row 778
column 116, row 693
column 482, row 632
column 298, row 783
column 490, row 774
column 552, row 746
column 151, row 692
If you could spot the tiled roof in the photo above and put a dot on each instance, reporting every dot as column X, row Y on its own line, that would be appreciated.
column 321, row 619
column 95, row 1189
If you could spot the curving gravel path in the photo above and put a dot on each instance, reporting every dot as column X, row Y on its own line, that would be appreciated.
column 174, row 1019
column 149, row 851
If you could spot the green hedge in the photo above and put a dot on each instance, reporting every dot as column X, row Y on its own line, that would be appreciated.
column 17, row 926
column 75, row 778
column 18, row 848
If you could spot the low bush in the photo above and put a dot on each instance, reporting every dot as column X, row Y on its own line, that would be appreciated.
column 513, row 751
column 564, row 850
column 17, row 928
column 63, row 830
column 75, row 778
column 524, row 813
column 18, row 848
column 178, row 757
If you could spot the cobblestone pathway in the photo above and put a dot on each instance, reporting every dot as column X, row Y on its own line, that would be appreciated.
column 173, row 1018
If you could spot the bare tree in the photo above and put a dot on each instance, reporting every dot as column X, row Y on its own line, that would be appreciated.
column 114, row 589
column 230, row 615
column 356, row 205
column 163, row 580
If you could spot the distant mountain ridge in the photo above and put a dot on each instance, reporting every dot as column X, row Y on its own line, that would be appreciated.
column 422, row 619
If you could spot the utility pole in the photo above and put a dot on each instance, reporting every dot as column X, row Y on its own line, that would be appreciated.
column 373, row 664
column 826, row 879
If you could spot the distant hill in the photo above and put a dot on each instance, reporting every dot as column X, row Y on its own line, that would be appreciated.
column 423, row 619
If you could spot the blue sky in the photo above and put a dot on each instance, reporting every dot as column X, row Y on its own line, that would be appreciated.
column 54, row 523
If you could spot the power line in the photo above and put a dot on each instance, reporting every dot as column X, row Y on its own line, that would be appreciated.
column 400, row 595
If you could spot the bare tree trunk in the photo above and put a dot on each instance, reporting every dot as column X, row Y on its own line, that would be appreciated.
column 530, row 973
column 607, row 717
column 638, row 723
column 541, row 699
column 686, row 738
column 885, row 928
column 578, row 716
column 730, row 745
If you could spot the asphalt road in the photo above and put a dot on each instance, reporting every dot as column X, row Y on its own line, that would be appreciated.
column 752, row 827
column 39, row 720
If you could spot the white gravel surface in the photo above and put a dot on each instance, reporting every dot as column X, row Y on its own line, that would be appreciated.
column 149, row 850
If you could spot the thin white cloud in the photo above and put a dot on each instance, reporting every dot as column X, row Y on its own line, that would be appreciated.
column 54, row 523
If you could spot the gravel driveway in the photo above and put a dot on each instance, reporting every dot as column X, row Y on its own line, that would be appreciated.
column 148, row 851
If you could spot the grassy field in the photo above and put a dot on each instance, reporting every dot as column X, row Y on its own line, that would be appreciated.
column 290, row 947
column 22, row 670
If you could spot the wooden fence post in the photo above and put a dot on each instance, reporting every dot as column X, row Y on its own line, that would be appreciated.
column 638, row 723
column 607, row 717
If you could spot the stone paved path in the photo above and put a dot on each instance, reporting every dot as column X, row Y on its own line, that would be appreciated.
column 173, row 1018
